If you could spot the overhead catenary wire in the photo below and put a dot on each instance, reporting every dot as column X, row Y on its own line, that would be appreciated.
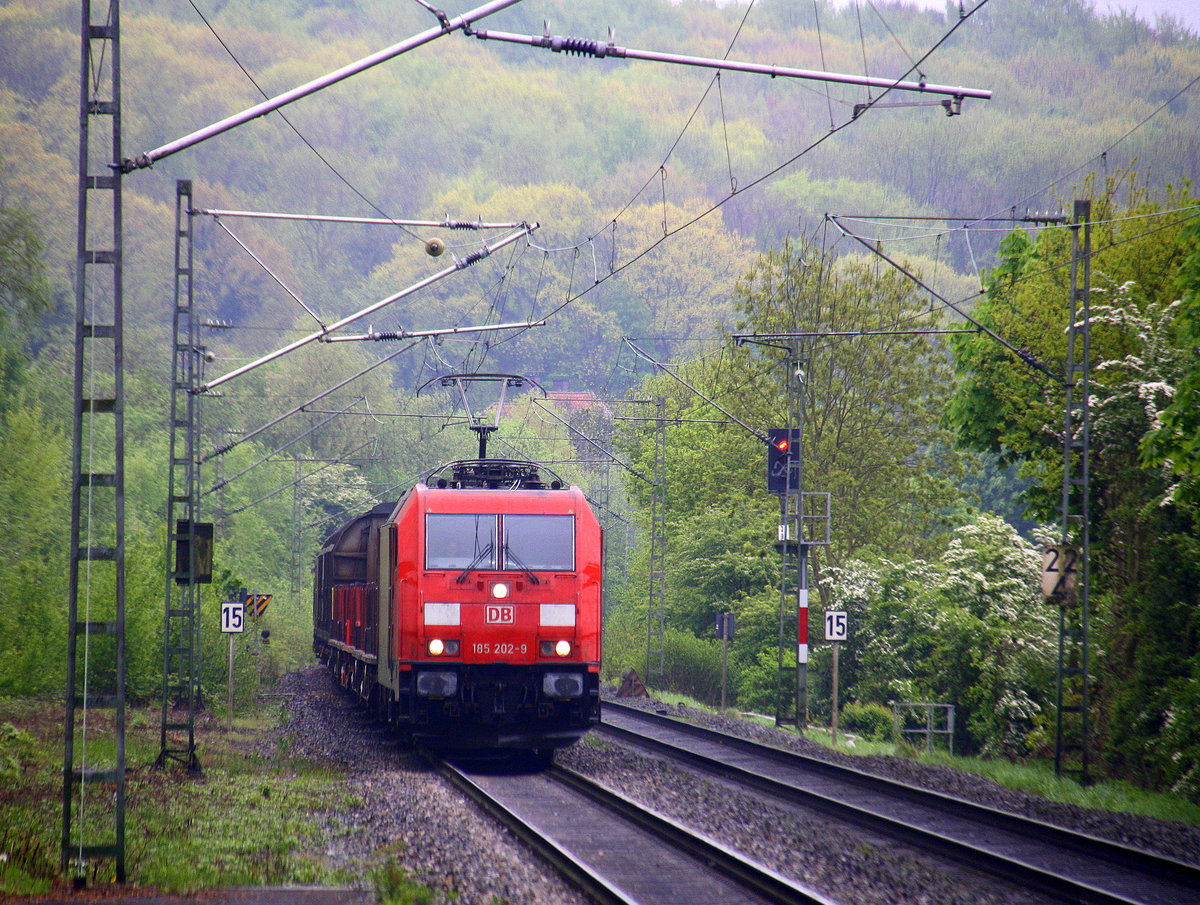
column 336, row 172
column 278, row 490
column 629, row 468
column 742, row 424
column 719, row 203
column 667, row 231
column 274, row 276
column 226, row 481
column 221, row 450
column 1023, row 354
column 420, row 284
column 1103, row 155
column 1192, row 213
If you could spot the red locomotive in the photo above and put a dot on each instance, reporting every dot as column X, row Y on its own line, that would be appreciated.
column 468, row 614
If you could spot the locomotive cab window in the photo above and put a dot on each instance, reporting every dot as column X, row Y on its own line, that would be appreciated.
column 539, row 543
column 460, row 541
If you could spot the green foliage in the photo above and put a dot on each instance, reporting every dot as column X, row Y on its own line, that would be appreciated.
column 716, row 558
column 871, row 721
column 1038, row 778
column 33, row 520
column 24, row 290
column 531, row 136
column 1144, row 568
column 248, row 820
column 624, row 642
column 758, row 681
column 968, row 629
column 872, row 403
column 693, row 665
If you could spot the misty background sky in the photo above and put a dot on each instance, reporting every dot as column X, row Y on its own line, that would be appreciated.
column 1187, row 11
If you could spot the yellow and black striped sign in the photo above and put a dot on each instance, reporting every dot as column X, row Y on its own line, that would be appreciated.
column 256, row 604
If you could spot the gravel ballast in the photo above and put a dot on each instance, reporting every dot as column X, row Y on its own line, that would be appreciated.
column 398, row 808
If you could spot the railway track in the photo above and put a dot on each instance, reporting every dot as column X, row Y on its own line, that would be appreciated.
column 616, row 851
column 1061, row 863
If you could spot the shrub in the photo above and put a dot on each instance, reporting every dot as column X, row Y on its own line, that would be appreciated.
column 871, row 721
column 693, row 665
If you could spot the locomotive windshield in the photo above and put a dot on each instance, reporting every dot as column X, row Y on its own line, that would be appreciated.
column 460, row 541
column 541, row 543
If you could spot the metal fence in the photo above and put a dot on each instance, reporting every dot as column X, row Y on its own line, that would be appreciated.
column 933, row 719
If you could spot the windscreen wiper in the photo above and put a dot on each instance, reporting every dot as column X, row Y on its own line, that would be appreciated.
column 474, row 564
column 509, row 555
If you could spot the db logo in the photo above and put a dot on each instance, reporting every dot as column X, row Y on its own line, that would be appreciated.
column 503, row 615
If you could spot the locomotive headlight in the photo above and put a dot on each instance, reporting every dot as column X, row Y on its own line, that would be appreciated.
column 437, row 647
column 555, row 648
column 500, row 590
column 562, row 685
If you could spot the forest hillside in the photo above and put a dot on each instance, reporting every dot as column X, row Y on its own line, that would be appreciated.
column 672, row 208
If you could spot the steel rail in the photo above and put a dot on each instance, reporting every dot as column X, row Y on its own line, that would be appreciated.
column 1150, row 864
column 755, row 878
column 590, row 882
column 748, row 873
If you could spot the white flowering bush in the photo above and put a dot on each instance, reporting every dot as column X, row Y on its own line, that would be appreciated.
column 969, row 629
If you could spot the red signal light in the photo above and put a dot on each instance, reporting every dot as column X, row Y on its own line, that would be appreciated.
column 782, row 444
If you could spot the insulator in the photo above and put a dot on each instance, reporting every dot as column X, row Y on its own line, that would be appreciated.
column 578, row 46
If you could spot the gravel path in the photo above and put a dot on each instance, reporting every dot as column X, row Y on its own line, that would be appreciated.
column 400, row 810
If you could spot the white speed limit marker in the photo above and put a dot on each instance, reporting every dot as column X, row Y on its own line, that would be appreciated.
column 233, row 617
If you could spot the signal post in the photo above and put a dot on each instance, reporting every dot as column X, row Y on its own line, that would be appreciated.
column 804, row 522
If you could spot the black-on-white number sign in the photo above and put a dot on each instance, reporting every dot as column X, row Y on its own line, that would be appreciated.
column 835, row 625
column 233, row 617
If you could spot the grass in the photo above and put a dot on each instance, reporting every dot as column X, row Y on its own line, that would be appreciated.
column 249, row 819
column 1033, row 777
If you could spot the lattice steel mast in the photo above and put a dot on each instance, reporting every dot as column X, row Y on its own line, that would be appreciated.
column 181, row 630
column 96, row 605
column 657, row 613
column 1072, row 693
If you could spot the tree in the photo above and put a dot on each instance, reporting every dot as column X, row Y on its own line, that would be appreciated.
column 1145, row 573
column 24, row 290
column 872, row 432
column 1173, row 440
column 34, row 483
column 871, row 436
